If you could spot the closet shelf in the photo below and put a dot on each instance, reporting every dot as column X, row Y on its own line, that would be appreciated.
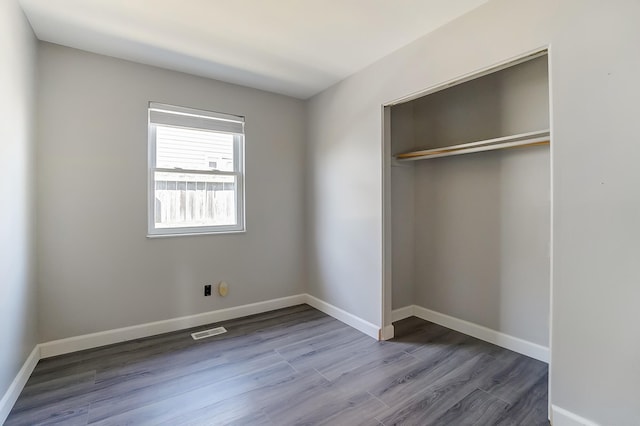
column 540, row 137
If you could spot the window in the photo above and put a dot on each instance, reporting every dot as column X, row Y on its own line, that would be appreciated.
column 196, row 166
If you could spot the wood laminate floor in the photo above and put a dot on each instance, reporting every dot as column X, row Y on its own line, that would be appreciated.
column 287, row 367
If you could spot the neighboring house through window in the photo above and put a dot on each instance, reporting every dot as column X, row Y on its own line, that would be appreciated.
column 196, row 171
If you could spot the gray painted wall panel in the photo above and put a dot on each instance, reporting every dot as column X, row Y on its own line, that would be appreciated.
column 97, row 270
column 403, row 131
column 18, row 309
column 482, row 241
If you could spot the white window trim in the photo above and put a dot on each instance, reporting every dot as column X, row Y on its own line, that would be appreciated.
column 239, row 166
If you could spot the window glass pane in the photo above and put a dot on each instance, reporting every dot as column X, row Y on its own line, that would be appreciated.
column 193, row 149
column 187, row 200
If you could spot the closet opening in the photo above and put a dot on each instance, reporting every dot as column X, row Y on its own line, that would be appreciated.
column 467, row 206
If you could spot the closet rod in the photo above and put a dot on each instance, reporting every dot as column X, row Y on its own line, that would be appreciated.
column 523, row 140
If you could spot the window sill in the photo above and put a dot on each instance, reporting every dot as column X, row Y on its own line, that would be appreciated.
column 194, row 234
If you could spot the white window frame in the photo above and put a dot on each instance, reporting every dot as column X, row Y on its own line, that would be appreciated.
column 191, row 118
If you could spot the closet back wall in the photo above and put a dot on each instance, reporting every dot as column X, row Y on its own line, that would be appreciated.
column 96, row 267
column 482, row 240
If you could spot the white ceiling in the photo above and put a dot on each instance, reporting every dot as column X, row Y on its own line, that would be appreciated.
column 293, row 47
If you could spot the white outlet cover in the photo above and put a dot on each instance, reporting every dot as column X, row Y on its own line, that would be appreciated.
column 223, row 288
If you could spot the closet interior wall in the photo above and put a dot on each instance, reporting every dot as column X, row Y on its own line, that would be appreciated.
column 470, row 233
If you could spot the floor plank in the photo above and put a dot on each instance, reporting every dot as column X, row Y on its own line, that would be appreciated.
column 288, row 367
column 477, row 408
column 531, row 409
column 516, row 380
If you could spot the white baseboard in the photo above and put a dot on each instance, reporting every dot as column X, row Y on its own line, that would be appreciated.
column 562, row 417
column 387, row 332
column 515, row 344
column 93, row 340
column 402, row 313
column 108, row 337
column 11, row 395
column 344, row 316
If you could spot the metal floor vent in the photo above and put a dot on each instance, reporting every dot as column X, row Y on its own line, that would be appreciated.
column 208, row 333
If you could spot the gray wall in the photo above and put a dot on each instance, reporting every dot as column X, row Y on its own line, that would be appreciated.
column 403, row 249
column 511, row 101
column 594, row 69
column 482, row 240
column 96, row 268
column 18, row 312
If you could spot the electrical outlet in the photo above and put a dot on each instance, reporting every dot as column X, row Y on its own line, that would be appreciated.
column 223, row 288
column 207, row 290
